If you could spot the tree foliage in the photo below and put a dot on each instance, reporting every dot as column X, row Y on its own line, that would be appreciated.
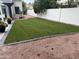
column 40, row 6
column 51, row 4
column 24, row 8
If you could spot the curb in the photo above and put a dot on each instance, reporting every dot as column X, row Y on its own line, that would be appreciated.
column 40, row 38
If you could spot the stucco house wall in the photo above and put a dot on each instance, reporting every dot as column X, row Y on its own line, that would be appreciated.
column 1, row 14
column 16, row 3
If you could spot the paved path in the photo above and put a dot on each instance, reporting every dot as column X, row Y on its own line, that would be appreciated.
column 60, row 47
column 4, row 35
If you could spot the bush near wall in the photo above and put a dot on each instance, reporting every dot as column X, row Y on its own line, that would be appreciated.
column 40, row 6
column 67, row 6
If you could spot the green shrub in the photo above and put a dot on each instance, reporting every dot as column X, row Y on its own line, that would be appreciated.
column 9, row 20
column 3, row 26
column 40, row 6
column 24, row 8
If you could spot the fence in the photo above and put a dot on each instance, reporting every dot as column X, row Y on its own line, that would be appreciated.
column 65, row 15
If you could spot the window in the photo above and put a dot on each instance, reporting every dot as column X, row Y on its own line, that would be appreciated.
column 17, row 10
column 0, row 19
column 3, row 10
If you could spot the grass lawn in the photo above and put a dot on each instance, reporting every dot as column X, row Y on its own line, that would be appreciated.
column 36, row 27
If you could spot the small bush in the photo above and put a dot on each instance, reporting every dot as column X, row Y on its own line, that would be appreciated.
column 9, row 20
column 3, row 26
column 68, row 6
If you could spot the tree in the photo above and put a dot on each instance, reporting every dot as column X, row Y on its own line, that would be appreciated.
column 40, row 6
column 51, row 4
column 77, row 2
column 70, row 2
column 24, row 8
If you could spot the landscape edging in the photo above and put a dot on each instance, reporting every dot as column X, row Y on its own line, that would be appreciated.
column 40, row 38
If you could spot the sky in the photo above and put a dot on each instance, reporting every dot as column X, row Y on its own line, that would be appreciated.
column 29, row 1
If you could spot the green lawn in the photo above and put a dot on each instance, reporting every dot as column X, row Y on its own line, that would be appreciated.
column 36, row 27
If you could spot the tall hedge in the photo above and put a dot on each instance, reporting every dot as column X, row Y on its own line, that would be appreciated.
column 24, row 8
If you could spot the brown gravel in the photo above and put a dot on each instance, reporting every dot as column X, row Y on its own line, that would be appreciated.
column 60, row 47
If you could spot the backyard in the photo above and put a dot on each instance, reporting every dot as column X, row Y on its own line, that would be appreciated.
column 37, row 27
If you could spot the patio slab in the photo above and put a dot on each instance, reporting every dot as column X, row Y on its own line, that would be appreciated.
column 60, row 47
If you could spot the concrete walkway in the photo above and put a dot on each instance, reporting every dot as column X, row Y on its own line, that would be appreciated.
column 60, row 47
column 4, row 35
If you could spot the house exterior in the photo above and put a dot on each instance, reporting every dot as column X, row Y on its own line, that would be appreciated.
column 1, row 14
column 10, row 8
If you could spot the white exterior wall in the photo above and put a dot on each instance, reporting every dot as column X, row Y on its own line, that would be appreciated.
column 13, row 10
column 18, row 4
column 1, row 15
column 7, row 11
column 68, row 15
